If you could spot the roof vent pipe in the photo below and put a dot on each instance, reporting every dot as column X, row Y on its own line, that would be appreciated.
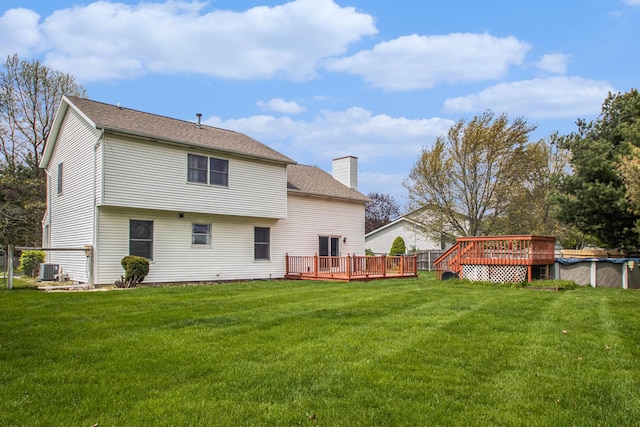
column 199, row 116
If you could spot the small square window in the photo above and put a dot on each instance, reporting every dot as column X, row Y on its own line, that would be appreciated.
column 200, row 234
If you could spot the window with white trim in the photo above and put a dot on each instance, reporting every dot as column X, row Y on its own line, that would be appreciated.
column 207, row 170
column 261, row 243
column 141, row 238
column 201, row 234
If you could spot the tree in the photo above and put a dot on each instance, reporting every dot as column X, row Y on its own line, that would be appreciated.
column 479, row 178
column 22, row 205
column 593, row 196
column 29, row 94
column 380, row 211
column 398, row 247
column 629, row 168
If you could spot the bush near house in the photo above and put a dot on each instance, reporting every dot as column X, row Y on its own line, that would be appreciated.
column 30, row 262
column 136, row 269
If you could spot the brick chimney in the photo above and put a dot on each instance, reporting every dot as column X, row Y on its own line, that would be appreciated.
column 345, row 170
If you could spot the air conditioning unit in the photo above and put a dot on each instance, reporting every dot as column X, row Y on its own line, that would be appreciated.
column 48, row 272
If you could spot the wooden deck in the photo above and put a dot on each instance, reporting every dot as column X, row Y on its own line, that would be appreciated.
column 525, row 251
column 350, row 268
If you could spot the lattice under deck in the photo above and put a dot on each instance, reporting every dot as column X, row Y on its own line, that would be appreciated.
column 495, row 273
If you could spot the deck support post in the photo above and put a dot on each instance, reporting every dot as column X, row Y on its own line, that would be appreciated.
column 286, row 256
column 529, row 273
column 315, row 264
column 384, row 266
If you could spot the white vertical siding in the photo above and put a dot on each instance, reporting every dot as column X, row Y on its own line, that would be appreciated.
column 154, row 176
column 229, row 257
column 311, row 217
column 70, row 214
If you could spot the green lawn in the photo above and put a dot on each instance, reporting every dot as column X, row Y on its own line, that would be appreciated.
column 414, row 352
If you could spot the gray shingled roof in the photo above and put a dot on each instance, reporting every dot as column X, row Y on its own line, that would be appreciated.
column 133, row 122
column 314, row 181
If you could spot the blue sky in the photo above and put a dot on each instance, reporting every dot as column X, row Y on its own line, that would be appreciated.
column 319, row 79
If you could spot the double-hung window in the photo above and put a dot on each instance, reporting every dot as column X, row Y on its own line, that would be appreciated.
column 261, row 242
column 207, row 170
column 141, row 238
column 201, row 234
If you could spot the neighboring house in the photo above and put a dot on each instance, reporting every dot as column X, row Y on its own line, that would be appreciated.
column 380, row 240
column 201, row 203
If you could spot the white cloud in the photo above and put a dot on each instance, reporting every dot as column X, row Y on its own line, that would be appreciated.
column 331, row 134
column 105, row 40
column 553, row 63
column 553, row 97
column 419, row 62
column 632, row 2
column 19, row 32
column 281, row 106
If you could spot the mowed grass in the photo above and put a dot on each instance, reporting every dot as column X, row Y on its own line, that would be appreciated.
column 414, row 352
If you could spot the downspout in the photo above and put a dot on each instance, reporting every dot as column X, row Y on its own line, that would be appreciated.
column 96, row 222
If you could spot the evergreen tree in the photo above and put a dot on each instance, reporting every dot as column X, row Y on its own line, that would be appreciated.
column 594, row 197
column 398, row 247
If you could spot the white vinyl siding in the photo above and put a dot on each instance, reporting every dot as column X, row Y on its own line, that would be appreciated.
column 70, row 213
column 309, row 218
column 175, row 259
column 154, row 176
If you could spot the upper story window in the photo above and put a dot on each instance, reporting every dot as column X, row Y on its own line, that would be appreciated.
column 207, row 170
column 59, row 178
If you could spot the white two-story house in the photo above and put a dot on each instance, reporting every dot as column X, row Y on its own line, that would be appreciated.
column 201, row 203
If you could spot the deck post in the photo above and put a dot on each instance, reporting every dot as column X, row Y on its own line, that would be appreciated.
column 384, row 266
column 529, row 273
column 286, row 256
column 402, row 265
column 348, row 266
column 315, row 264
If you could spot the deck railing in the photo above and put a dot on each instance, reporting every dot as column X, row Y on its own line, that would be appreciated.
column 350, row 267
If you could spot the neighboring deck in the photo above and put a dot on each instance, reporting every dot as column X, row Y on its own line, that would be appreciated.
column 351, row 267
column 506, row 258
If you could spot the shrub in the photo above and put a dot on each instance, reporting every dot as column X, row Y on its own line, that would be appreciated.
column 368, row 252
column 398, row 247
column 30, row 262
column 136, row 269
